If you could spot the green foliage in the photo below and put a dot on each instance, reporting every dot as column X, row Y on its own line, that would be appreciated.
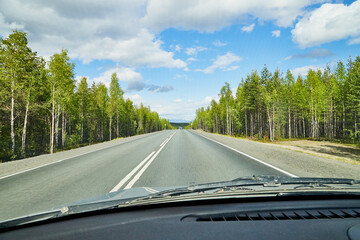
column 52, row 112
column 322, row 105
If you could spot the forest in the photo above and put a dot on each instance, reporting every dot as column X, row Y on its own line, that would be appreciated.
column 324, row 104
column 43, row 109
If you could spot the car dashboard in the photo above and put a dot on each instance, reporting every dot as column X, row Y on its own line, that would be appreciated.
column 229, row 219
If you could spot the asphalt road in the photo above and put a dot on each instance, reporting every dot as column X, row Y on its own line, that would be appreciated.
column 167, row 158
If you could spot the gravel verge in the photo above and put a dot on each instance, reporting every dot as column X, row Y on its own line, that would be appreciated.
column 298, row 163
column 13, row 167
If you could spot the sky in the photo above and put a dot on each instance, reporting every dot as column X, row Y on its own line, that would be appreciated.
column 175, row 56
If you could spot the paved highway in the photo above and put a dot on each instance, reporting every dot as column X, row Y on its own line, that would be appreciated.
column 167, row 158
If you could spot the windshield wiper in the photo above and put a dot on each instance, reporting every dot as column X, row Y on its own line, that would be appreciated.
column 255, row 184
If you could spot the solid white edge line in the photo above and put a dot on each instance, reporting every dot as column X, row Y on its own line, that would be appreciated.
column 253, row 158
column 125, row 179
column 47, row 164
column 138, row 175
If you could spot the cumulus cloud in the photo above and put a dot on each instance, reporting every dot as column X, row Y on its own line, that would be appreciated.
column 133, row 79
column 328, row 23
column 248, row 28
column 219, row 43
column 89, row 30
column 304, row 70
column 315, row 53
column 129, row 75
column 212, row 15
column 223, row 62
column 275, row 33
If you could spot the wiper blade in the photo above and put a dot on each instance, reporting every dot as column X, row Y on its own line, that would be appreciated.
column 302, row 180
column 256, row 183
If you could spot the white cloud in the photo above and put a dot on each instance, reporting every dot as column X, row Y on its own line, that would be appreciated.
column 314, row 54
column 304, row 70
column 177, row 48
column 207, row 100
column 123, row 73
column 275, row 33
column 135, row 98
column 212, row 15
column 328, row 23
column 179, row 100
column 191, row 59
column 133, row 79
column 195, row 50
column 223, row 62
column 354, row 41
column 136, row 51
column 89, row 30
column 219, row 43
column 248, row 28
column 160, row 89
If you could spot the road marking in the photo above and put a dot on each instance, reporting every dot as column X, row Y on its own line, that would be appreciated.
column 125, row 179
column 163, row 142
column 253, row 158
column 81, row 154
column 138, row 175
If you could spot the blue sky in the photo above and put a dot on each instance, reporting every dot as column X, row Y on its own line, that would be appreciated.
column 175, row 55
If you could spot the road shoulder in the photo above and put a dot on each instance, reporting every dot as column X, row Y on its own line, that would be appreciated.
column 17, row 166
column 298, row 163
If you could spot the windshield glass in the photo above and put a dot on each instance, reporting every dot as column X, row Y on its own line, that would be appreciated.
column 98, row 97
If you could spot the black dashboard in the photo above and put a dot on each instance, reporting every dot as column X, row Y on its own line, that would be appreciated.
column 276, row 219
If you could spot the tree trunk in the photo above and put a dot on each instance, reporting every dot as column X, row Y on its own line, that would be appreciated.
column 303, row 122
column 273, row 122
column 63, row 129
column 227, row 119
column 343, row 119
column 52, row 123
column 294, row 125
column 23, row 138
column 289, row 121
column 110, row 128
column 12, row 119
column 82, row 121
column 117, row 124
column 246, row 127
column 57, row 127
column 269, row 122
column 251, row 124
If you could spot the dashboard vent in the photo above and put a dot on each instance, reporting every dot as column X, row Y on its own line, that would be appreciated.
column 276, row 215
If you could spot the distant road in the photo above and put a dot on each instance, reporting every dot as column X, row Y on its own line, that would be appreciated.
column 166, row 158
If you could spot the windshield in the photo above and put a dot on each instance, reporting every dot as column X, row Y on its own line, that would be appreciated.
column 98, row 97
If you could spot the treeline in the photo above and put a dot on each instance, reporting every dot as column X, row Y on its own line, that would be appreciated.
column 323, row 104
column 43, row 108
